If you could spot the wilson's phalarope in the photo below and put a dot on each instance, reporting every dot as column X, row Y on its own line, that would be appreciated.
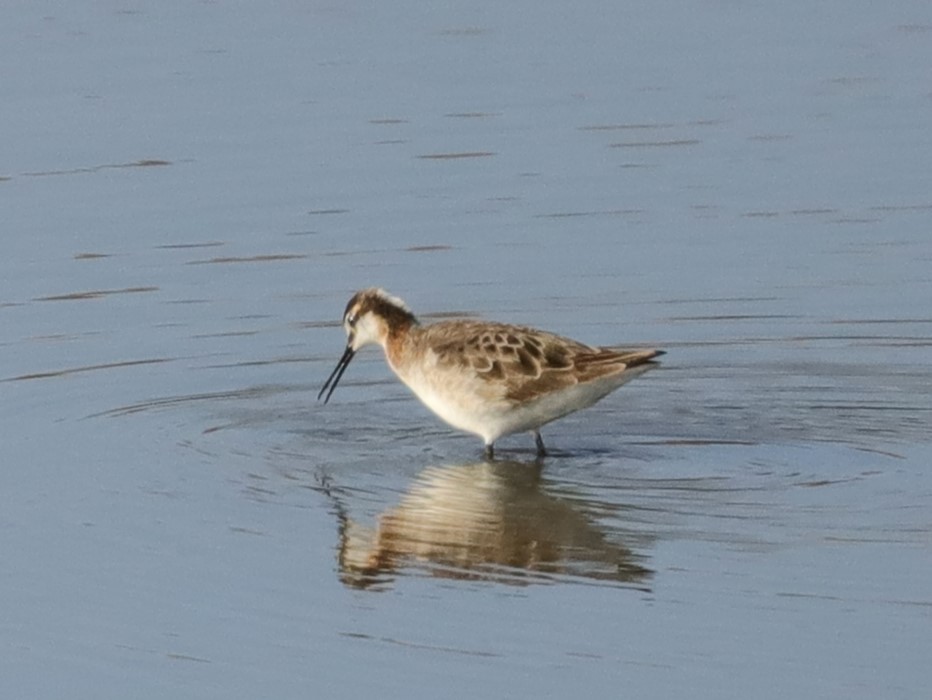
column 490, row 379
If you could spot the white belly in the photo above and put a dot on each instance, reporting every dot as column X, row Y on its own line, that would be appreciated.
column 477, row 406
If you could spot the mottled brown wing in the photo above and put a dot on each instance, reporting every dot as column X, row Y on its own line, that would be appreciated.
column 523, row 363
column 577, row 364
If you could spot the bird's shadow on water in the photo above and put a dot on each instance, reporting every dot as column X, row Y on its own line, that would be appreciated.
column 490, row 521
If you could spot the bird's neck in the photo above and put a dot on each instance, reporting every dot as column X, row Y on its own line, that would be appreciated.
column 398, row 337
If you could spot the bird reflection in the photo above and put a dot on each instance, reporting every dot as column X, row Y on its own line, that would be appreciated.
column 489, row 521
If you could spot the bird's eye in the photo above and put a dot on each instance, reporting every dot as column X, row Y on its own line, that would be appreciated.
column 351, row 320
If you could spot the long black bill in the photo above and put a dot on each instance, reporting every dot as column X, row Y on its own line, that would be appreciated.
column 337, row 372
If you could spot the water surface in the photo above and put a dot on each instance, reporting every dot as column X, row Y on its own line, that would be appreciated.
column 194, row 191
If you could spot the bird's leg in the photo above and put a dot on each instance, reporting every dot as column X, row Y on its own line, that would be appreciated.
column 490, row 451
column 541, row 450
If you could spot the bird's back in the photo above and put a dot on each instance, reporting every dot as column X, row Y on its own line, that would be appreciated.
column 521, row 363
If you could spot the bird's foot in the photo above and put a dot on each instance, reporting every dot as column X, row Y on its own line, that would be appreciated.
column 538, row 440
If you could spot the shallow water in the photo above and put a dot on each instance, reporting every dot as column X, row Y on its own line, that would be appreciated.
column 193, row 193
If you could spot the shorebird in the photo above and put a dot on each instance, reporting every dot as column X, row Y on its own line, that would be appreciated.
column 490, row 379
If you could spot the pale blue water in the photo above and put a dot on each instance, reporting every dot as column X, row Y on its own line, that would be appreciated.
column 190, row 194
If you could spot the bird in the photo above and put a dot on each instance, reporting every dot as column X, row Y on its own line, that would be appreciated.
column 482, row 377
